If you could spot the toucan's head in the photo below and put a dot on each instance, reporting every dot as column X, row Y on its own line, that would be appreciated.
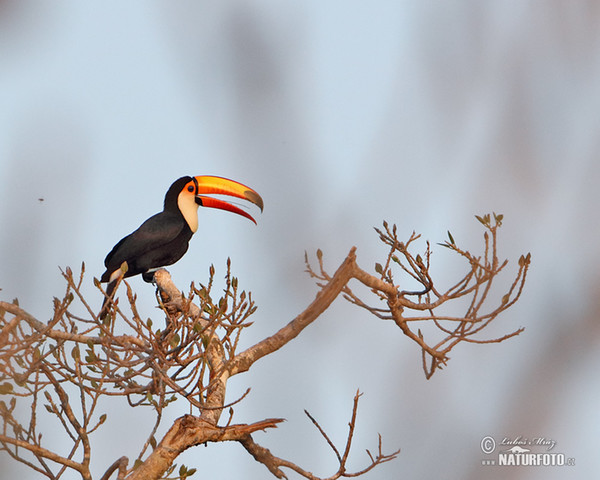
column 188, row 193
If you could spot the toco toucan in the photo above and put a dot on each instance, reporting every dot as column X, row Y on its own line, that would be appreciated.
column 163, row 238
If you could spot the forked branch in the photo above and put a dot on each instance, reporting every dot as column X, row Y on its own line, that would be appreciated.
column 428, row 305
column 64, row 367
column 275, row 464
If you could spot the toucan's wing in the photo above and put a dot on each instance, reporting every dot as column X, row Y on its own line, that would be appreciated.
column 156, row 232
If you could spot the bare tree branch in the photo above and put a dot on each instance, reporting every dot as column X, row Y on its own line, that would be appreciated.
column 186, row 432
column 120, row 465
column 63, row 368
column 324, row 298
column 274, row 464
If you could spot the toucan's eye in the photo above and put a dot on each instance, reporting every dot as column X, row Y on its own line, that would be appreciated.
column 190, row 188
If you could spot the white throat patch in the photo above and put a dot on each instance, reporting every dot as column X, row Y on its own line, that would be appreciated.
column 189, row 209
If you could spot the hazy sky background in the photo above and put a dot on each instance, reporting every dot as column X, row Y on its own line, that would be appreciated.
column 340, row 114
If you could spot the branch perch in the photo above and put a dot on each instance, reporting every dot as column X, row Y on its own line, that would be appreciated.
column 64, row 367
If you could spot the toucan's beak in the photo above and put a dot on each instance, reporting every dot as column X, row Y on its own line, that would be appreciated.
column 224, row 186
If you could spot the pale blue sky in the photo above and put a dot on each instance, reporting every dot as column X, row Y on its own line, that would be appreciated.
column 341, row 114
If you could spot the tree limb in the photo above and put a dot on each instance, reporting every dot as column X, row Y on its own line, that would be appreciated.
column 42, row 452
column 244, row 360
column 186, row 432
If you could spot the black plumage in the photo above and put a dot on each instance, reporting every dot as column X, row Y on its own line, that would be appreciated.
column 164, row 238
column 159, row 241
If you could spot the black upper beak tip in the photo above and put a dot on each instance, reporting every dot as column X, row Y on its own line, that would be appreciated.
column 255, row 198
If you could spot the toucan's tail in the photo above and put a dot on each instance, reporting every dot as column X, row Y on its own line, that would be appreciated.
column 108, row 297
column 113, row 282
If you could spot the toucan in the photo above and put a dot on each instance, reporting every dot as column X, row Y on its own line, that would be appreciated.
column 164, row 238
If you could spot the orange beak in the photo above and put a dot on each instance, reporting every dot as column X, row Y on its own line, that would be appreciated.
column 223, row 186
